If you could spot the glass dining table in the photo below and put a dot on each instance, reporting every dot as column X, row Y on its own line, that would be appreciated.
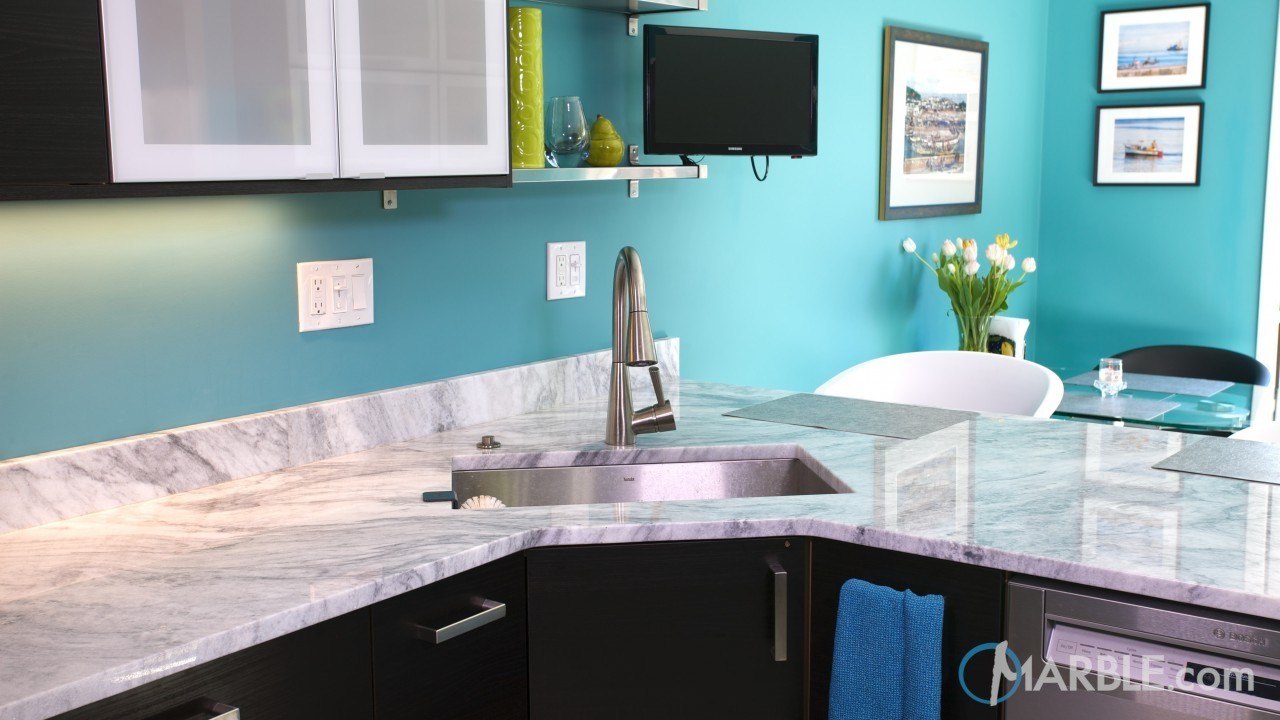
column 1183, row 404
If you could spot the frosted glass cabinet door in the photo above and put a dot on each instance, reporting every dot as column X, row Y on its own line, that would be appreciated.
column 422, row 87
column 220, row 89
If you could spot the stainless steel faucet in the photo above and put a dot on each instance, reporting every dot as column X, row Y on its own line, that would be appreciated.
column 633, row 347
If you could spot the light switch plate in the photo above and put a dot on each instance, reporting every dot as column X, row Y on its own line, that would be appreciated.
column 566, row 270
column 334, row 294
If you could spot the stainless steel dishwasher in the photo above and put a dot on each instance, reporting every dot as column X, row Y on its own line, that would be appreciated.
column 1197, row 661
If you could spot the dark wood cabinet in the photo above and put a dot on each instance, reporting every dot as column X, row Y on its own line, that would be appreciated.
column 53, row 116
column 668, row 630
column 973, row 615
column 322, row 671
column 477, row 669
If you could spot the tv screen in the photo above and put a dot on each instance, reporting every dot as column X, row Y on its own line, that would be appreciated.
column 730, row 92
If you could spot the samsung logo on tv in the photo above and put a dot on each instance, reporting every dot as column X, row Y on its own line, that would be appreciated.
column 735, row 149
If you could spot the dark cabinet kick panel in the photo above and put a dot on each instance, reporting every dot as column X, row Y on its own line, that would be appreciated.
column 322, row 671
column 53, row 116
column 479, row 674
column 667, row 630
column 973, row 616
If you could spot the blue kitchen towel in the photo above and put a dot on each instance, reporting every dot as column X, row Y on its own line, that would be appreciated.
column 866, row 672
column 922, row 689
column 887, row 663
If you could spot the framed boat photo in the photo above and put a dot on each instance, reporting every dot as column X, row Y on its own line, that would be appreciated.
column 932, row 125
column 1149, row 144
column 1154, row 49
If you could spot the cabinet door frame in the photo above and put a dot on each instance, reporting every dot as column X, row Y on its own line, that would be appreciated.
column 133, row 160
column 360, row 159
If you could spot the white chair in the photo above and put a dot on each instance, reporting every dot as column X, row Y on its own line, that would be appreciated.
column 1267, row 432
column 980, row 382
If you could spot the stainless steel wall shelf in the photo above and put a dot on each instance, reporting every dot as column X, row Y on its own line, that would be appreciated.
column 630, row 7
column 631, row 173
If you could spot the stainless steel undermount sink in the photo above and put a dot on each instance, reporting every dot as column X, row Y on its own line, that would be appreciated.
column 581, row 485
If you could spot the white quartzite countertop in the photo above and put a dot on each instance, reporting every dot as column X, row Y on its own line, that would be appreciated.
column 95, row 605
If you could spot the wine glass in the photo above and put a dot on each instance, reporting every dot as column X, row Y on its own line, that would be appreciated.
column 567, row 135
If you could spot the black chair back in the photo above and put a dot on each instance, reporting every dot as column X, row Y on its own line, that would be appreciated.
column 1194, row 361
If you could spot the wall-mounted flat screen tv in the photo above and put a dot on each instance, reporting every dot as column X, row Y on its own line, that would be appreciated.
column 730, row 92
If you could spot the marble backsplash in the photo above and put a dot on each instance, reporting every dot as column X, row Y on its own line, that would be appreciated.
column 57, row 485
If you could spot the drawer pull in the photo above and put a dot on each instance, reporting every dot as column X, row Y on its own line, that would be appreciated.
column 779, row 609
column 202, row 709
column 490, row 611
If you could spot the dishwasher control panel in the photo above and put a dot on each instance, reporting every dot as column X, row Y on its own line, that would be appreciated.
column 1168, row 666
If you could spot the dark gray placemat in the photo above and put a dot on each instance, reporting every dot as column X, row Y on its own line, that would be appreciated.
column 907, row 422
column 1160, row 384
column 1120, row 408
column 1223, row 457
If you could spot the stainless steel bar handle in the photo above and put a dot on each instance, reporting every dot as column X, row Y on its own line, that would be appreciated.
column 225, row 712
column 204, row 709
column 779, row 610
column 490, row 611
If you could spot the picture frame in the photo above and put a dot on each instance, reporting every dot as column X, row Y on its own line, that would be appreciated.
column 1149, row 145
column 932, row 125
column 1163, row 48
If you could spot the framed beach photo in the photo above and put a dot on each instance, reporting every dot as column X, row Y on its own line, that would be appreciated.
column 932, row 125
column 1154, row 49
column 1149, row 145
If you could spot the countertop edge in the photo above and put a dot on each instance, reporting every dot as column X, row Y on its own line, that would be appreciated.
column 125, row 677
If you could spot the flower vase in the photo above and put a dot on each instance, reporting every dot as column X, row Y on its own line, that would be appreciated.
column 974, row 332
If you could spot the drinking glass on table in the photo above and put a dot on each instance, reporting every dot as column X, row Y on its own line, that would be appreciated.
column 1110, row 377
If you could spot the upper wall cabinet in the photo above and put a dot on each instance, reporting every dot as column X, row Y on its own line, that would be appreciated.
column 134, row 98
column 305, row 89
column 220, row 89
column 422, row 87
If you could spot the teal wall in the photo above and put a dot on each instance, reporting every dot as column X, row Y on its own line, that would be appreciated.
column 123, row 317
column 1125, row 267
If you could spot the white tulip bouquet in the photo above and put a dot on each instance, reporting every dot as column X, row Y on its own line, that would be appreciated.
column 975, row 297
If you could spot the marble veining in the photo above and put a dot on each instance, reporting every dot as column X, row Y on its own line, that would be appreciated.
column 94, row 605
column 63, row 484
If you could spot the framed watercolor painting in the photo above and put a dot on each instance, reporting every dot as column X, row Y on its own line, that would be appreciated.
column 1149, row 145
column 1154, row 49
column 932, row 125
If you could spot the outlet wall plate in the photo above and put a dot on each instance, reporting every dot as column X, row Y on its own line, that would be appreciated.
column 334, row 294
column 566, row 270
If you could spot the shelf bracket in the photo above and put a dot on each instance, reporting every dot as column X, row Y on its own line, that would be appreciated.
column 390, row 200
column 633, row 25
column 633, row 155
column 633, row 189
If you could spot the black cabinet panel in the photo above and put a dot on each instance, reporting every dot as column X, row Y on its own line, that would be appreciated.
column 974, row 615
column 53, row 118
column 671, row 631
column 322, row 671
column 481, row 674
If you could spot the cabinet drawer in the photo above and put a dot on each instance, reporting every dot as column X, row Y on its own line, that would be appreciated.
column 456, row 649
column 668, row 630
column 318, row 672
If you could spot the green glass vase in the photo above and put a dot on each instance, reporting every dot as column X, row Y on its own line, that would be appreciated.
column 528, row 133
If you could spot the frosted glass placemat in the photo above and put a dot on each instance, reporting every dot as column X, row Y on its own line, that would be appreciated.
column 865, row 417
column 1160, row 384
column 1222, row 457
column 1119, row 408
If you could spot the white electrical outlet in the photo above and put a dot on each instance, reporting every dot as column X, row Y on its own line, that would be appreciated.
column 334, row 294
column 566, row 270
